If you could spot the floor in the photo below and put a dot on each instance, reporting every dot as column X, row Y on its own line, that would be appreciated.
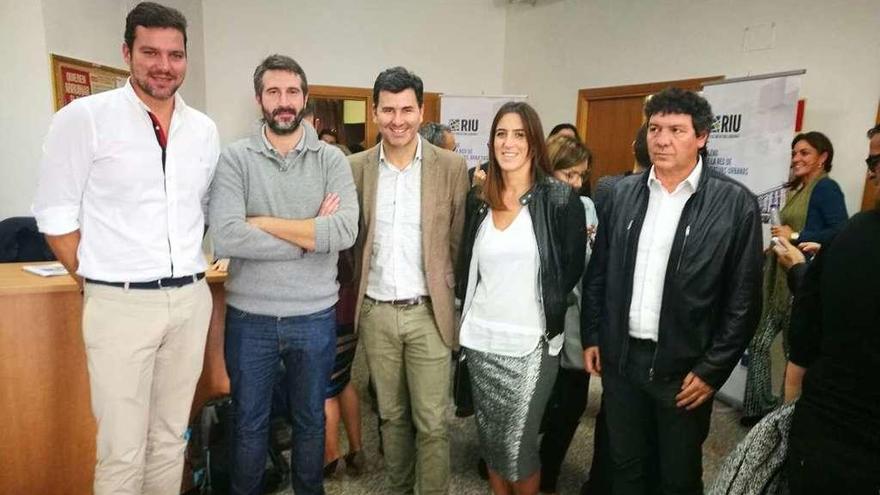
column 724, row 435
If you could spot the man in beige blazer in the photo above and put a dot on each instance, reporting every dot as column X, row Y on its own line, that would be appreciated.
column 412, row 196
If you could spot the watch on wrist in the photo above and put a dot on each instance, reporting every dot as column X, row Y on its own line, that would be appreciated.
column 794, row 236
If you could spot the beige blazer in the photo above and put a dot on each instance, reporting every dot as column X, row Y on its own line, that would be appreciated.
column 444, row 190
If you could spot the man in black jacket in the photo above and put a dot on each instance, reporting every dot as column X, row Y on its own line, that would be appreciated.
column 671, row 298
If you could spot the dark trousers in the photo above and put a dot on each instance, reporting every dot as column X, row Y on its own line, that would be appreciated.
column 255, row 345
column 823, row 458
column 561, row 418
column 640, row 409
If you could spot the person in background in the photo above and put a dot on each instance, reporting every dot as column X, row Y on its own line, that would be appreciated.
column 329, row 136
column 671, row 299
column 121, row 194
column 439, row 135
column 642, row 162
column 282, row 207
column 521, row 254
column 564, row 129
column 570, row 161
column 834, row 442
column 412, row 202
column 814, row 211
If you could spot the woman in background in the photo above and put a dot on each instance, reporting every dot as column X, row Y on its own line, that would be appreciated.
column 522, row 253
column 814, row 211
column 570, row 161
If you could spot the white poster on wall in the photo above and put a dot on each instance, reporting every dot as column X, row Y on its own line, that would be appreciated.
column 751, row 142
column 470, row 118
column 752, row 131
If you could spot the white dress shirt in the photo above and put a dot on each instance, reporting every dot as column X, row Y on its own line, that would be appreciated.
column 101, row 173
column 505, row 315
column 397, row 269
column 652, row 257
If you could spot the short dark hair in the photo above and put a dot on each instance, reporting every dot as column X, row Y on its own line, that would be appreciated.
column 279, row 62
column 873, row 131
column 153, row 15
column 309, row 109
column 677, row 100
column 328, row 131
column 395, row 80
column 434, row 132
column 640, row 147
column 565, row 125
column 819, row 142
column 494, row 186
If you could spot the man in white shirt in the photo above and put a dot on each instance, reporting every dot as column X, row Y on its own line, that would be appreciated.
column 671, row 299
column 121, row 198
column 412, row 196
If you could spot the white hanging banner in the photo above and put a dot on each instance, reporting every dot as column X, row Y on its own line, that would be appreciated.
column 752, row 132
column 751, row 142
column 470, row 118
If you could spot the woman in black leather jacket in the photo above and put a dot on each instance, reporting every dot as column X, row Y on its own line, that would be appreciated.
column 522, row 253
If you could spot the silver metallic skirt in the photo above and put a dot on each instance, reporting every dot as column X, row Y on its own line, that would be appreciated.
column 510, row 394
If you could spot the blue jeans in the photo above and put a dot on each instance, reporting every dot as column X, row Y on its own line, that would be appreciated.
column 255, row 344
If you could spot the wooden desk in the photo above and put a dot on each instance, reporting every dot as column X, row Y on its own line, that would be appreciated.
column 47, row 431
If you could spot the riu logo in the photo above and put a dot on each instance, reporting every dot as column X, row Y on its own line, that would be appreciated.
column 464, row 125
column 727, row 123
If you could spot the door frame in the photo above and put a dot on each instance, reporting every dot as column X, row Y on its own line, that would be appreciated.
column 585, row 96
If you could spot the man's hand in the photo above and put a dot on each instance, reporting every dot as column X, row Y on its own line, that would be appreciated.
column 694, row 392
column 329, row 205
column 479, row 177
column 221, row 265
column 592, row 361
column 786, row 254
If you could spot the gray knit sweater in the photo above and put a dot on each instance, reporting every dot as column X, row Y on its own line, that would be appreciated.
column 267, row 275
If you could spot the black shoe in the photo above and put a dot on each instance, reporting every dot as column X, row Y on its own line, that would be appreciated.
column 482, row 469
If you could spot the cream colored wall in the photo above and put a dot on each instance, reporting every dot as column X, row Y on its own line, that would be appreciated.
column 559, row 46
column 455, row 46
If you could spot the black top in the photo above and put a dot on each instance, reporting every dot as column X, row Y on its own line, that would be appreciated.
column 835, row 330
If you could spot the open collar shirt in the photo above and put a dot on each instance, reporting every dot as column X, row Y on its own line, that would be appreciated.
column 397, row 267
column 102, row 174
column 655, row 245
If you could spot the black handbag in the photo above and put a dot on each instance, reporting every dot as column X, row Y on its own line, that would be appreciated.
column 462, row 394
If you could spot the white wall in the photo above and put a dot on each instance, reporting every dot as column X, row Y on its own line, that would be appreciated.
column 455, row 46
column 93, row 30
column 557, row 47
column 25, row 102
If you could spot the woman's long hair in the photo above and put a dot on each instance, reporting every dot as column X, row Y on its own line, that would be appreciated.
column 494, row 187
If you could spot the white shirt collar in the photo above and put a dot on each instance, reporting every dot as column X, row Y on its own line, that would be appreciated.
column 416, row 159
column 691, row 181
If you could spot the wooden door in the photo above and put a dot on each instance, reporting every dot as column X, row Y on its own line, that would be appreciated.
column 608, row 118
column 869, row 197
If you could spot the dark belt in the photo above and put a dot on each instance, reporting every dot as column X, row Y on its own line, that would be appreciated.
column 163, row 283
column 413, row 301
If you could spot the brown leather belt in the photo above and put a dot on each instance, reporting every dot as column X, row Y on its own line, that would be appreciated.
column 413, row 301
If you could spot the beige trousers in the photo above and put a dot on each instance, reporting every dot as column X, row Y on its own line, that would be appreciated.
column 145, row 350
column 410, row 367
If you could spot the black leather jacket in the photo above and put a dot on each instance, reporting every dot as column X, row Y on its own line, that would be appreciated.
column 712, row 290
column 559, row 223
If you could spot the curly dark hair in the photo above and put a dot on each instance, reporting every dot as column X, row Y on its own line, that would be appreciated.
column 395, row 80
column 153, row 15
column 676, row 100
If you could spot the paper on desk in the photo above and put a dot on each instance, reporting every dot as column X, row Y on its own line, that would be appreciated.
column 50, row 270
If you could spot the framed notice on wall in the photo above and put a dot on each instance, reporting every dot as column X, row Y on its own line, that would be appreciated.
column 72, row 79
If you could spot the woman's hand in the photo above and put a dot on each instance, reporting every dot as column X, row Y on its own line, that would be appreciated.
column 781, row 231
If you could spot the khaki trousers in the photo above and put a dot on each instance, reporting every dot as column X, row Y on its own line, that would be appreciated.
column 410, row 367
column 145, row 350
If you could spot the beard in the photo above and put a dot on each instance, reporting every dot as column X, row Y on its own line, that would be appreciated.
column 282, row 128
column 154, row 92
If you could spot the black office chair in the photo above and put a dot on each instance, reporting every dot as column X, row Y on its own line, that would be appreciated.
column 21, row 241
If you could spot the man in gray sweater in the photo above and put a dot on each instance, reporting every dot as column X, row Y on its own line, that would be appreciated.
column 282, row 206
